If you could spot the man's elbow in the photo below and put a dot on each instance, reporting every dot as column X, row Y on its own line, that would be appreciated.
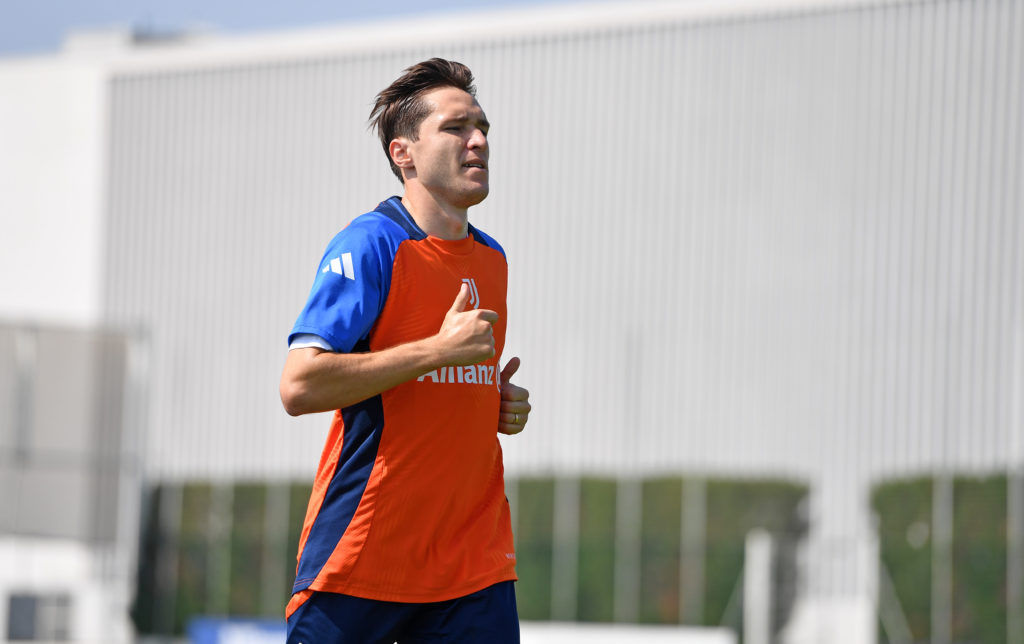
column 294, row 397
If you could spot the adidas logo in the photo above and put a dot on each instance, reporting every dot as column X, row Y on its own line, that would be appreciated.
column 342, row 266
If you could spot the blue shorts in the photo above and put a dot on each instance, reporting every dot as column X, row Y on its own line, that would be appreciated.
column 488, row 615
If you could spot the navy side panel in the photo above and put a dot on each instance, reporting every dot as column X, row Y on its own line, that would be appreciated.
column 363, row 425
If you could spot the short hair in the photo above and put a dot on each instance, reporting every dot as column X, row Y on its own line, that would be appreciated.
column 399, row 109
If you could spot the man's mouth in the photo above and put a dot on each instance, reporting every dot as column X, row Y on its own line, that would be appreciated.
column 474, row 165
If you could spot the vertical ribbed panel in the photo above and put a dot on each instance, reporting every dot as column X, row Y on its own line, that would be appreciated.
column 785, row 243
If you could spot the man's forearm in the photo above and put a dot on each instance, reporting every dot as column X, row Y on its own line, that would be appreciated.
column 314, row 380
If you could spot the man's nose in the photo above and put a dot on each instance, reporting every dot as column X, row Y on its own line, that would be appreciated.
column 478, row 139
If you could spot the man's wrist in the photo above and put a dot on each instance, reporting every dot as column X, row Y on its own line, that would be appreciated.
column 429, row 355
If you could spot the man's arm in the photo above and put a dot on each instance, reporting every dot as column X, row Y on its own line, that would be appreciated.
column 314, row 380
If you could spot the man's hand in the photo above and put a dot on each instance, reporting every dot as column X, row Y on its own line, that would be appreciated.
column 466, row 337
column 515, row 402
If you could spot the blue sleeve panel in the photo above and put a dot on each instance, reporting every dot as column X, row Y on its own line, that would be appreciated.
column 352, row 281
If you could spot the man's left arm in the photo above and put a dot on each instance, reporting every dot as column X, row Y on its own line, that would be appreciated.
column 515, row 401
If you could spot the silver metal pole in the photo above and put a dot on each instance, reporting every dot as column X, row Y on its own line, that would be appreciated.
column 757, row 588
column 131, row 483
column 512, row 496
column 1015, row 556
column 629, row 499
column 25, row 341
column 566, row 551
column 218, row 553
column 692, row 546
column 1015, row 502
column 942, row 555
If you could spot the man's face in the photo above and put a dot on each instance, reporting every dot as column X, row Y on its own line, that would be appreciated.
column 450, row 156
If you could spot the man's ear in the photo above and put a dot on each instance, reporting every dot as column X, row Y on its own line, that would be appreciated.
column 399, row 151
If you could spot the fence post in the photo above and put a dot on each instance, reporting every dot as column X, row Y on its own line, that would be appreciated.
column 757, row 588
column 691, row 561
column 566, row 551
column 1015, row 556
column 627, row 549
column 1015, row 501
column 942, row 559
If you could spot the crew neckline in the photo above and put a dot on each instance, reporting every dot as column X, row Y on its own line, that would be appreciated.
column 462, row 246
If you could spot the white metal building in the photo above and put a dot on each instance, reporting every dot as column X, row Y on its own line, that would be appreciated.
column 773, row 237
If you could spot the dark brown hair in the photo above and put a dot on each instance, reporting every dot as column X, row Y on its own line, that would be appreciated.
column 399, row 109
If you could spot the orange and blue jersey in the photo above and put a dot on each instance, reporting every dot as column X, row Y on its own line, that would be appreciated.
column 408, row 504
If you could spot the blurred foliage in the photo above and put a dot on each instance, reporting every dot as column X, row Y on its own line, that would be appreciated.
column 904, row 511
column 534, row 547
column 193, row 554
column 733, row 508
column 661, row 534
column 201, row 540
column 979, row 562
column 595, row 595
column 298, row 501
column 190, row 551
column 247, row 549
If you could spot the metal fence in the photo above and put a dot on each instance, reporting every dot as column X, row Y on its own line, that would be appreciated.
column 72, row 405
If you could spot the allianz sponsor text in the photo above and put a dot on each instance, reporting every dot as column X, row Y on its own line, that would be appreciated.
column 474, row 374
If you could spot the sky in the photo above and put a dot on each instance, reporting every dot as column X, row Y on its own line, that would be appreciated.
column 39, row 26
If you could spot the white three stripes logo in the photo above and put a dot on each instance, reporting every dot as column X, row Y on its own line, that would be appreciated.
column 342, row 266
column 474, row 295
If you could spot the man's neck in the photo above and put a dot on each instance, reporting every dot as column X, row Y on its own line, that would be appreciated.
column 434, row 217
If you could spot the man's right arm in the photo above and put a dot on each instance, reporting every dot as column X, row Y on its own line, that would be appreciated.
column 314, row 380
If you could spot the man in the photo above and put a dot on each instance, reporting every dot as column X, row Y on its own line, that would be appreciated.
column 407, row 534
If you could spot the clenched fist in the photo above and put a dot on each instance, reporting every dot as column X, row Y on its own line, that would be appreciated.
column 467, row 337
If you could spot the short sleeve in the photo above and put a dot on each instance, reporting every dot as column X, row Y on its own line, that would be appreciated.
column 308, row 341
column 349, row 289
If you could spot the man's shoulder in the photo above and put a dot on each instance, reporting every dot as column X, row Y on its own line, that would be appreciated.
column 486, row 240
column 385, row 219
column 377, row 228
column 371, row 225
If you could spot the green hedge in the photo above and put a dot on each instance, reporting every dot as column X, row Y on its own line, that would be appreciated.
column 534, row 547
column 178, row 564
column 221, row 555
column 734, row 507
column 595, row 597
column 979, row 549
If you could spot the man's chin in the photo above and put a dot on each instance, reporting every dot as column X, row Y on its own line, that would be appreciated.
column 473, row 197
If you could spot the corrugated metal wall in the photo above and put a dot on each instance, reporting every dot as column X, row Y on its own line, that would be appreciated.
column 780, row 242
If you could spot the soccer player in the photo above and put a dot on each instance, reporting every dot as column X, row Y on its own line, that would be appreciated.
column 407, row 534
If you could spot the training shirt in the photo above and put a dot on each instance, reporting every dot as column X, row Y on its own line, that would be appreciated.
column 408, row 503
